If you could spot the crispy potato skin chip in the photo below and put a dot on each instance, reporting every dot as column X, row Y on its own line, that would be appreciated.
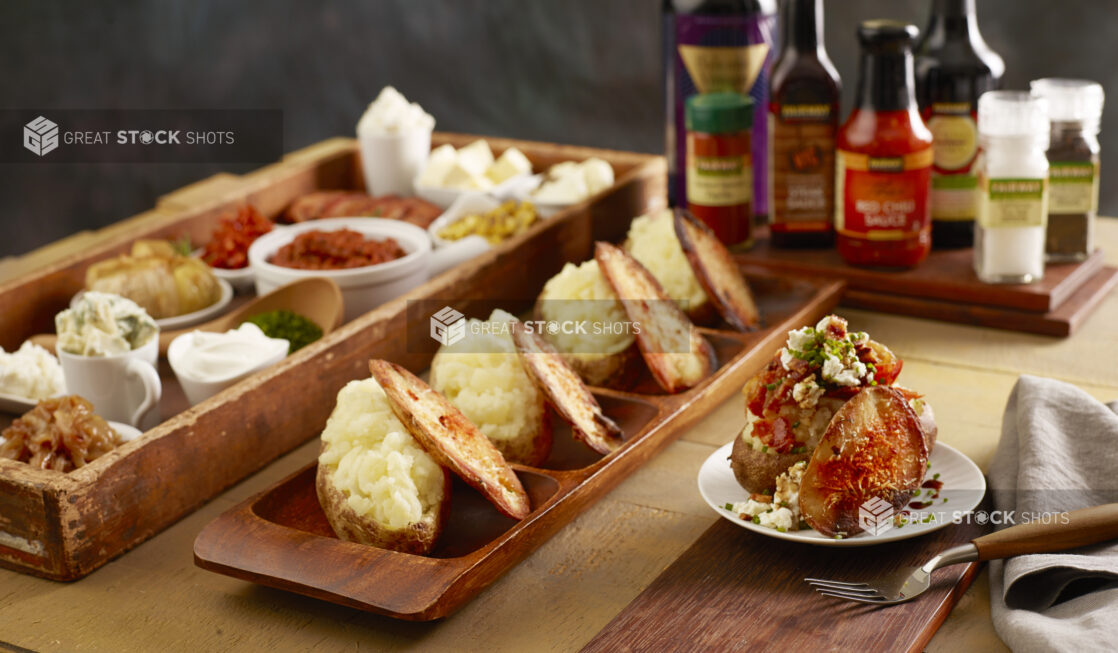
column 678, row 356
column 451, row 439
column 717, row 273
column 565, row 391
column 873, row 447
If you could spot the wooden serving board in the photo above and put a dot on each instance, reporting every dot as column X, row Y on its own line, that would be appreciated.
column 946, row 275
column 735, row 590
column 280, row 538
column 63, row 526
column 1061, row 322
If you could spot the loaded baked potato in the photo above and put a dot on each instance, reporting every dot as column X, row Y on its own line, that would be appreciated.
column 375, row 483
column 482, row 376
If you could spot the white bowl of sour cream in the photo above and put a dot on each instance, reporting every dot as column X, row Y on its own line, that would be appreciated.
column 207, row 363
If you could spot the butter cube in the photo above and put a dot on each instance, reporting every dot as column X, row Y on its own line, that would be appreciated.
column 476, row 157
column 510, row 164
column 439, row 163
column 461, row 178
column 563, row 169
column 566, row 189
column 598, row 174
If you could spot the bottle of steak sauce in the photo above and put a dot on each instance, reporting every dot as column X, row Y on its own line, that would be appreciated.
column 803, row 118
column 954, row 66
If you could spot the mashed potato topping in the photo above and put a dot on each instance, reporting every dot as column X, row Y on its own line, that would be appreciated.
column 653, row 242
column 379, row 466
column 581, row 294
column 483, row 377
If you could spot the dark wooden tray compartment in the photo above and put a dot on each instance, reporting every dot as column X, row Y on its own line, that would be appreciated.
column 280, row 538
column 63, row 526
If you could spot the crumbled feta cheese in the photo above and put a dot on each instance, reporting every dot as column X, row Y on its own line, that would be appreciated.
column 781, row 518
column 828, row 320
column 751, row 508
column 788, row 487
column 786, row 358
column 806, row 393
column 801, row 339
column 840, row 372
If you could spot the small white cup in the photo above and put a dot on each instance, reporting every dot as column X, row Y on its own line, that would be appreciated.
column 392, row 161
column 122, row 388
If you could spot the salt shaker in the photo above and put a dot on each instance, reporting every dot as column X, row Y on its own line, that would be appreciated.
column 1012, row 209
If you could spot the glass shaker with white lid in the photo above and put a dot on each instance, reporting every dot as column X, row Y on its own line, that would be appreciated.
column 1012, row 209
column 1074, row 111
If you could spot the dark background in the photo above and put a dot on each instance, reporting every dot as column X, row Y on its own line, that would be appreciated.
column 570, row 71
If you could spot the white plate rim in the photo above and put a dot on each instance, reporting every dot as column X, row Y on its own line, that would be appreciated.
column 717, row 466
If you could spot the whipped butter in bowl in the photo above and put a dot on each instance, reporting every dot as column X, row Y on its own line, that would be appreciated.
column 207, row 363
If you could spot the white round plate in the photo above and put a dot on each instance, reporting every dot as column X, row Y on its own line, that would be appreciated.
column 127, row 432
column 963, row 489
column 16, row 405
column 242, row 280
column 190, row 319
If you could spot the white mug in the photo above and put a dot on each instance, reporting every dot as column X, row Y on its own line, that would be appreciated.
column 391, row 162
column 122, row 388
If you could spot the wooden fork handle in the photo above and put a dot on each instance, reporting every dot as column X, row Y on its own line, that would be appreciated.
column 1052, row 532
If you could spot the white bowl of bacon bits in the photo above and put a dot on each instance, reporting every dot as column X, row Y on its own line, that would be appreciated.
column 372, row 260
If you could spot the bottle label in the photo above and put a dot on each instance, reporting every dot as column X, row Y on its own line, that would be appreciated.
column 1012, row 202
column 802, row 163
column 1074, row 187
column 718, row 180
column 718, row 53
column 954, row 185
column 883, row 198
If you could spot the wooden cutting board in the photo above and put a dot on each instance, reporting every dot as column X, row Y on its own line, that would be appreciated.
column 945, row 275
column 1061, row 322
column 734, row 590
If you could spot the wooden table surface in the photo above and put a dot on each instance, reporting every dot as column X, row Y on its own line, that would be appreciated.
column 154, row 598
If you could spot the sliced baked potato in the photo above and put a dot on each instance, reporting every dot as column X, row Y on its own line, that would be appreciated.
column 482, row 376
column 566, row 391
column 579, row 294
column 652, row 241
column 717, row 273
column 874, row 447
column 451, row 439
column 678, row 356
column 375, row 483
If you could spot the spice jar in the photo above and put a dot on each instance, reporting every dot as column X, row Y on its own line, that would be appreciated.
column 1012, row 187
column 1074, row 110
column 720, row 165
column 883, row 165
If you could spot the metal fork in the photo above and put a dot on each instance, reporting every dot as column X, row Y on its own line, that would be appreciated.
column 1066, row 531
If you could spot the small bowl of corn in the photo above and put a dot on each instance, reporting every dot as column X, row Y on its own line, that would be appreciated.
column 478, row 214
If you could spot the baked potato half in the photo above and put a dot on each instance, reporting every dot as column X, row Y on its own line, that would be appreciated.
column 874, row 447
column 717, row 273
column 756, row 465
column 483, row 377
column 678, row 356
column 652, row 241
column 375, row 483
column 579, row 294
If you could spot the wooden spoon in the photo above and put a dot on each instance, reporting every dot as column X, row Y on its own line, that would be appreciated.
column 319, row 300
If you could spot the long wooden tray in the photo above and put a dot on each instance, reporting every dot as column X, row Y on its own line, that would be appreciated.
column 946, row 275
column 63, row 526
column 736, row 590
column 1061, row 322
column 280, row 538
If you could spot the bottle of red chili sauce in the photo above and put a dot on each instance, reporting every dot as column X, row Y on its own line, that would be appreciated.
column 720, row 164
column 884, row 160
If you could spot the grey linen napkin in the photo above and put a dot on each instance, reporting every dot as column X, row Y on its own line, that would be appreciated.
column 1058, row 452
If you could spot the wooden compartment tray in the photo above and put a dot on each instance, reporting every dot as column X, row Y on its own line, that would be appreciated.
column 63, row 526
column 281, row 538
